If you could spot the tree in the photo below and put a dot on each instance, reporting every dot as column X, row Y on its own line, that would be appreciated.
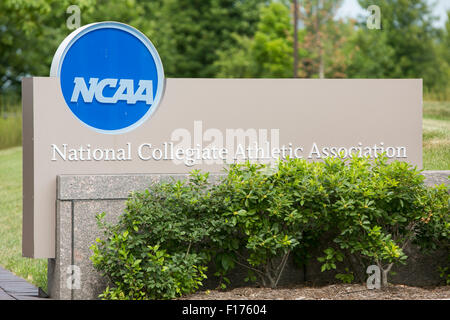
column 405, row 47
column 338, row 49
column 295, row 15
column 442, row 91
column 445, row 43
column 188, row 34
column 269, row 54
column 242, row 65
column 30, row 32
column 273, row 42
column 317, row 19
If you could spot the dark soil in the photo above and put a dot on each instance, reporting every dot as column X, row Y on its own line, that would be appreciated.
column 330, row 292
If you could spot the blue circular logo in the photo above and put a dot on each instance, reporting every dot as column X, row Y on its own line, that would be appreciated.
column 111, row 76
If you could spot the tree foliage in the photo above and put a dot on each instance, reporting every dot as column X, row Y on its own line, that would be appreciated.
column 241, row 38
column 188, row 34
column 268, row 54
column 30, row 32
column 322, row 37
column 407, row 46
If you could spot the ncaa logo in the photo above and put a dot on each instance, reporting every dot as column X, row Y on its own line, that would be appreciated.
column 111, row 76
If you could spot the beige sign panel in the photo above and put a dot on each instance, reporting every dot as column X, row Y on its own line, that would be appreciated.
column 207, row 123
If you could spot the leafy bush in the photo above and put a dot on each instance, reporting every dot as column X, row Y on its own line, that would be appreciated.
column 159, row 247
column 379, row 208
column 444, row 273
column 258, row 217
column 267, row 215
column 156, row 275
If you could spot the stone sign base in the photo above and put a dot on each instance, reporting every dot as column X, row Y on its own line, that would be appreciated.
column 81, row 197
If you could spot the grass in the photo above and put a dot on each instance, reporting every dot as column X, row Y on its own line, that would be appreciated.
column 33, row 270
column 439, row 95
column 10, row 120
column 10, row 129
column 436, row 135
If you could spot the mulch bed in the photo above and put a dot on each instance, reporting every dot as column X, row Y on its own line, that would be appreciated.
column 330, row 292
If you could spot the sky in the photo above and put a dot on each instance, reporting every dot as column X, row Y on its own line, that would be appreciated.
column 351, row 9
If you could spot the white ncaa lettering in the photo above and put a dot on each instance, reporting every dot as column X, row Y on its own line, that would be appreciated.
column 125, row 91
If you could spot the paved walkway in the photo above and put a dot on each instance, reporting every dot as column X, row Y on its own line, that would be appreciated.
column 15, row 288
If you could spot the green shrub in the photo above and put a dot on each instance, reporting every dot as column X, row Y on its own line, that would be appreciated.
column 444, row 273
column 156, row 275
column 257, row 217
column 347, row 277
column 159, row 248
column 268, row 215
column 371, row 209
column 380, row 208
